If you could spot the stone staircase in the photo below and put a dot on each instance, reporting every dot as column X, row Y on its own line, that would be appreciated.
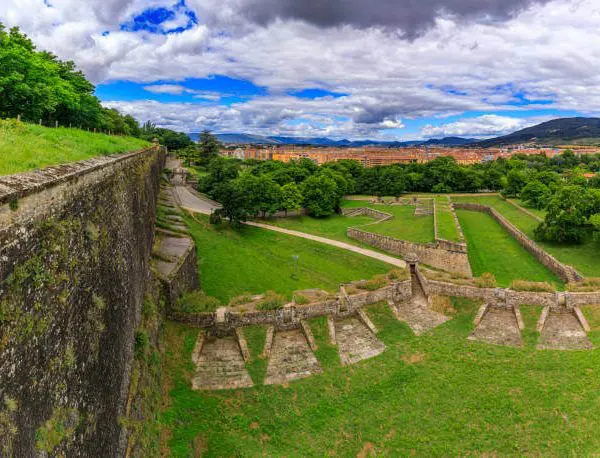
column 562, row 330
column 497, row 326
column 291, row 358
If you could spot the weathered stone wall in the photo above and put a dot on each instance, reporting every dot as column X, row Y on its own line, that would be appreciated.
column 290, row 316
column 367, row 211
column 565, row 272
column 75, row 243
column 452, row 260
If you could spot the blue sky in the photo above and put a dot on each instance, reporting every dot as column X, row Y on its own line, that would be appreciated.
column 379, row 69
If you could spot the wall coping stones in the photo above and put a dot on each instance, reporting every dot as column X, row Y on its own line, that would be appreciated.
column 23, row 184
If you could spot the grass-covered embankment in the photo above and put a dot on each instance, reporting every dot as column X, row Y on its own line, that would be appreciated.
column 446, row 225
column 434, row 395
column 234, row 261
column 492, row 249
column 26, row 147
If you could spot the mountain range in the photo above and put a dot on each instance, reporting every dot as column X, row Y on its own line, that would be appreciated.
column 580, row 131
column 247, row 139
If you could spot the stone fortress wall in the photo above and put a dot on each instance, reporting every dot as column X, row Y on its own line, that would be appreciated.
column 75, row 246
column 565, row 272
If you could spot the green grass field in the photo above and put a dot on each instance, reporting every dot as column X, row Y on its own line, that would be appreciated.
column 492, row 249
column 26, row 147
column 583, row 257
column 404, row 225
column 445, row 220
column 253, row 260
column 434, row 395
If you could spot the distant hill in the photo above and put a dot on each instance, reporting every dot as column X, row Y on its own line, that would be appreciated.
column 247, row 139
column 578, row 131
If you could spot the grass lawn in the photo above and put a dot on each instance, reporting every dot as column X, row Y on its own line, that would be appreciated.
column 253, row 260
column 333, row 227
column 535, row 211
column 583, row 257
column 492, row 249
column 27, row 146
column 404, row 225
column 445, row 220
column 434, row 395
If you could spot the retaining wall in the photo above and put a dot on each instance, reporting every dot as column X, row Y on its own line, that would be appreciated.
column 75, row 244
column 565, row 272
column 448, row 256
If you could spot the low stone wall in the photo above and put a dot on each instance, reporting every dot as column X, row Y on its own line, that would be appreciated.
column 184, row 277
column 366, row 211
column 565, row 272
column 451, row 257
column 224, row 321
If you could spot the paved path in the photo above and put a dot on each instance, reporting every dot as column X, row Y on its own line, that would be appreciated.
column 345, row 246
column 195, row 203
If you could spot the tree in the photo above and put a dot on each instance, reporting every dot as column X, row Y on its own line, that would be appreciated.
column 321, row 196
column 566, row 216
column 535, row 194
column 209, row 147
column 234, row 202
column 516, row 180
column 291, row 197
column 392, row 181
column 268, row 198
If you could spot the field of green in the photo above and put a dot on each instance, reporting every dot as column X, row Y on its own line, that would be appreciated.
column 583, row 257
column 434, row 395
column 492, row 249
column 26, row 147
column 252, row 260
column 536, row 211
column 445, row 220
column 404, row 225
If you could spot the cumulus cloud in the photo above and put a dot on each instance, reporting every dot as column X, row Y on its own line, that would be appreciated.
column 482, row 126
column 464, row 56
column 411, row 17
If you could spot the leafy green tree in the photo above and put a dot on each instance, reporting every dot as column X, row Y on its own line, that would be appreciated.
column 209, row 147
column 234, row 202
column 291, row 197
column 566, row 216
column 535, row 194
column 516, row 180
column 321, row 196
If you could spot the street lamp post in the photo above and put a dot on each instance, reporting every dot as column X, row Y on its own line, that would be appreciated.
column 295, row 257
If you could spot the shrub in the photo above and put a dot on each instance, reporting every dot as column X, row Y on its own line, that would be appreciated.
column 537, row 286
column 487, row 280
column 442, row 304
column 196, row 302
column 241, row 299
column 141, row 342
column 379, row 281
column 215, row 218
column 299, row 299
column 271, row 301
column 398, row 274
column 586, row 285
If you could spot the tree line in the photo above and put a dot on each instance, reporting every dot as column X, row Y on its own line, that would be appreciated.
column 36, row 85
column 261, row 188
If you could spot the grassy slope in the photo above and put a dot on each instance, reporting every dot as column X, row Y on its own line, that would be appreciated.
column 434, row 395
column 583, row 257
column 492, row 249
column 248, row 259
column 446, row 226
column 26, row 146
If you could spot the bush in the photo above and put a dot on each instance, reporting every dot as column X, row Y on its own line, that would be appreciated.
column 141, row 343
column 536, row 286
column 271, row 301
column 586, row 285
column 375, row 283
column 487, row 280
column 241, row 299
column 196, row 302
column 214, row 218
column 398, row 274
column 299, row 299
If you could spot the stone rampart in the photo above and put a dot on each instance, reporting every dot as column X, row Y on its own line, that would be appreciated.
column 75, row 244
column 565, row 272
column 449, row 256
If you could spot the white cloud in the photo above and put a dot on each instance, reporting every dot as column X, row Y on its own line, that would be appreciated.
column 548, row 52
column 482, row 126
